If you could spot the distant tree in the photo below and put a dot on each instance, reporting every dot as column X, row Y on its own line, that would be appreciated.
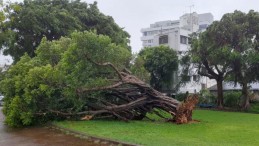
column 210, row 59
column 161, row 62
column 229, row 47
column 240, row 31
column 28, row 22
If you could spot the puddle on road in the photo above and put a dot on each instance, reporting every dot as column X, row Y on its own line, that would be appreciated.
column 38, row 136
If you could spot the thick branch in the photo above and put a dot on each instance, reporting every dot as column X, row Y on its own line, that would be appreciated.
column 100, row 88
column 105, row 64
column 210, row 71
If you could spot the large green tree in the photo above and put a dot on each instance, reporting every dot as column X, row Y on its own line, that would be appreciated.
column 28, row 22
column 241, row 33
column 162, row 63
column 229, row 47
column 210, row 59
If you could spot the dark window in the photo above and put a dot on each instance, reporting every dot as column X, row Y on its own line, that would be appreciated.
column 186, row 78
column 203, row 86
column 145, row 33
column 183, row 39
column 163, row 39
column 203, row 26
column 196, row 78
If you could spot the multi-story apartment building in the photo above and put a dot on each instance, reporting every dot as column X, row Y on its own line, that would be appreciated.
column 175, row 34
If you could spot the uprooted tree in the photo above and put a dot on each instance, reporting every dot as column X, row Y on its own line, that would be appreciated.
column 82, row 77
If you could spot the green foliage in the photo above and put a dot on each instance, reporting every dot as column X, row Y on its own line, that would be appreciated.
column 229, row 47
column 51, row 52
column 237, row 34
column 30, row 21
column 206, row 97
column 254, row 108
column 139, row 70
column 49, row 81
column 81, row 71
column 232, row 99
column 161, row 62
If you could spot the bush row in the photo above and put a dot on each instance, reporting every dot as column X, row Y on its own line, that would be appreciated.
column 231, row 98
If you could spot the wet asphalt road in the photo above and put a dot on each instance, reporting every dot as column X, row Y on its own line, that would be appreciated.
column 37, row 136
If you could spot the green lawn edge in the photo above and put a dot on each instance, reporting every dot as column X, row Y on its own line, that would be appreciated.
column 215, row 128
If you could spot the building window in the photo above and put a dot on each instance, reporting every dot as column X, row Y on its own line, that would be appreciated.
column 150, row 41
column 183, row 39
column 186, row 78
column 196, row 78
column 145, row 33
column 163, row 39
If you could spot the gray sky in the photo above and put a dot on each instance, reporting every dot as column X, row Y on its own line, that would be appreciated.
column 136, row 14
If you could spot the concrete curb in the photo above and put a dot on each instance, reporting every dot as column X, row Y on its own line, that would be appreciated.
column 95, row 139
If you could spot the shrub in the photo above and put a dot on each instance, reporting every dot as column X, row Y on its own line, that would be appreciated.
column 232, row 98
column 254, row 108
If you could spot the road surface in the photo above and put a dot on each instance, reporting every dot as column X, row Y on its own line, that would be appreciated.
column 37, row 136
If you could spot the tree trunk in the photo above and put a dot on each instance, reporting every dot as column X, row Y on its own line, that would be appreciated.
column 220, row 94
column 245, row 100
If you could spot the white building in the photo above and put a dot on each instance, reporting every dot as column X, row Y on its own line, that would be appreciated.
column 5, row 61
column 175, row 34
column 205, row 20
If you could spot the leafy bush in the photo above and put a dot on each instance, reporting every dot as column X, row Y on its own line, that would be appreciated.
column 232, row 98
column 254, row 107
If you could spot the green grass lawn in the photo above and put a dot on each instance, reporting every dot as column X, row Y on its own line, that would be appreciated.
column 216, row 128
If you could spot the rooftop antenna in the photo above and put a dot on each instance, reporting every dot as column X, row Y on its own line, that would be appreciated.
column 191, row 6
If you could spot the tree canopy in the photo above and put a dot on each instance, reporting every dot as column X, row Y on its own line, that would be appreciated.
column 211, row 60
column 228, row 47
column 242, row 37
column 28, row 22
column 51, row 79
column 161, row 62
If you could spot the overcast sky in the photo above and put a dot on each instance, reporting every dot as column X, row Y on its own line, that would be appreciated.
column 136, row 14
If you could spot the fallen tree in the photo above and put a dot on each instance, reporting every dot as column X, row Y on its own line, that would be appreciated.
column 81, row 78
column 134, row 98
